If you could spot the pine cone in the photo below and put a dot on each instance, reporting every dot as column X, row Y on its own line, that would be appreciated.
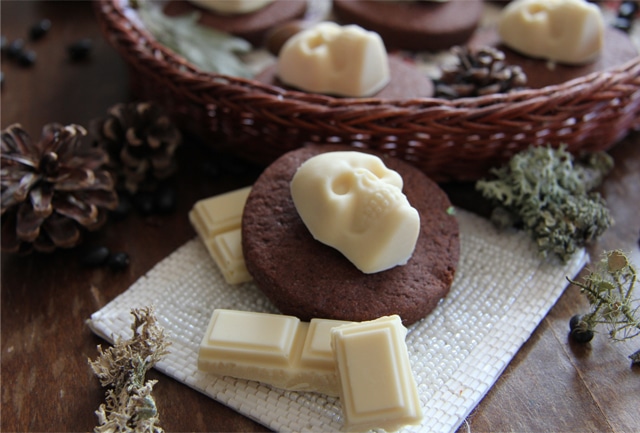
column 53, row 189
column 478, row 73
column 141, row 142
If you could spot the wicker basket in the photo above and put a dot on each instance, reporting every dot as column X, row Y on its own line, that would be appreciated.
column 449, row 140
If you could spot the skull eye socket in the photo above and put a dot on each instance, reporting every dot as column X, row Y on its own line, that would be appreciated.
column 316, row 41
column 341, row 185
column 536, row 11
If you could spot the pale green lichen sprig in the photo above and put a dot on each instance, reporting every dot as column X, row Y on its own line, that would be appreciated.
column 548, row 193
column 609, row 288
column 129, row 406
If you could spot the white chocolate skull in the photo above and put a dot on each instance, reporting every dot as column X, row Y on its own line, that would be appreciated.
column 351, row 201
column 231, row 7
column 565, row 31
column 333, row 59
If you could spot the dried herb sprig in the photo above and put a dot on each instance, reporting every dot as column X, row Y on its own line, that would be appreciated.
column 609, row 290
column 548, row 193
column 129, row 406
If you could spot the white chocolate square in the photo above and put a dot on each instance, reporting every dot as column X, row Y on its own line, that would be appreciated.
column 267, row 338
column 220, row 213
column 217, row 221
column 377, row 387
column 226, row 250
column 317, row 349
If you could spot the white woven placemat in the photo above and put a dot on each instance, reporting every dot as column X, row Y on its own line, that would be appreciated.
column 501, row 292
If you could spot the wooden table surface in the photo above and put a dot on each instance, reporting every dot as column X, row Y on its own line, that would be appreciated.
column 551, row 384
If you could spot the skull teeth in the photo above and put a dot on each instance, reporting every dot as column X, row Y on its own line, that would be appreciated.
column 377, row 204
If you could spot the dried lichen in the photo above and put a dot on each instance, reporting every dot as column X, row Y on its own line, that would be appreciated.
column 129, row 406
column 609, row 289
column 550, row 195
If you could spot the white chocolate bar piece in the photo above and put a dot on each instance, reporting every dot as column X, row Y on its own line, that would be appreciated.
column 217, row 221
column 376, row 383
column 274, row 349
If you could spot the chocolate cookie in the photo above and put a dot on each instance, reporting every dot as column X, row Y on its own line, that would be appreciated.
column 406, row 81
column 413, row 25
column 618, row 49
column 252, row 26
column 308, row 279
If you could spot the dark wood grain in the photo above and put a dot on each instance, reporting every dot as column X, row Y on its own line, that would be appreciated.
column 551, row 384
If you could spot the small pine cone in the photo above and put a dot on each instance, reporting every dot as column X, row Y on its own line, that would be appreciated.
column 52, row 190
column 141, row 142
column 478, row 73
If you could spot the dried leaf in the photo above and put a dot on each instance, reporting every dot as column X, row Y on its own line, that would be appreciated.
column 207, row 48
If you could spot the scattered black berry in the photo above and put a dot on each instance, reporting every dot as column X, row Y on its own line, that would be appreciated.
column 165, row 200
column 94, row 256
column 144, row 202
column 628, row 9
column 80, row 49
column 27, row 58
column 574, row 322
column 580, row 332
column 623, row 23
column 582, row 336
column 118, row 261
column 39, row 29
column 14, row 48
column 124, row 206
column 234, row 166
column 211, row 170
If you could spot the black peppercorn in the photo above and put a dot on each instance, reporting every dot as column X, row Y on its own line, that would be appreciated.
column 573, row 322
column 144, row 202
column 234, row 166
column 580, row 331
column 14, row 48
column 124, row 206
column 582, row 336
column 80, row 49
column 118, row 261
column 210, row 169
column 26, row 58
column 94, row 255
column 622, row 23
column 628, row 9
column 165, row 199
column 39, row 29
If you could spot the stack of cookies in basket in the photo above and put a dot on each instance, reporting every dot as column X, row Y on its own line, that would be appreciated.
column 552, row 41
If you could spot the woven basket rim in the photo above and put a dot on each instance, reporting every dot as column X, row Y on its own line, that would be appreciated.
column 459, row 139
column 180, row 66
